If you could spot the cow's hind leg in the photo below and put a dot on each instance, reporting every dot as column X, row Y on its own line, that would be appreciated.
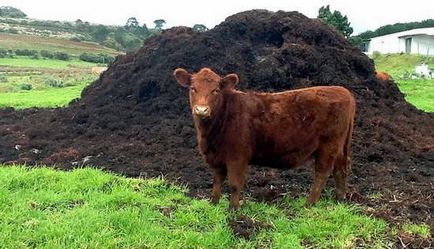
column 323, row 167
column 340, row 173
column 218, row 179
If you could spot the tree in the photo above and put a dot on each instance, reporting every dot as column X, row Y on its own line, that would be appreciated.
column 131, row 24
column 8, row 11
column 142, row 32
column 200, row 28
column 145, row 29
column 159, row 23
column 128, row 40
column 336, row 19
column 100, row 33
column 82, row 26
column 119, row 35
column 356, row 41
column 132, row 43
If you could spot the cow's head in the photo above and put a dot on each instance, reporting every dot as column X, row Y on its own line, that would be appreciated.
column 207, row 90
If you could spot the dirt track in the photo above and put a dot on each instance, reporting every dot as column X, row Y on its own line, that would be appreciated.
column 135, row 119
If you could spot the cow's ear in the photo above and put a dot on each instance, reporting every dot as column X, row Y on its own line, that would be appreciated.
column 229, row 80
column 182, row 77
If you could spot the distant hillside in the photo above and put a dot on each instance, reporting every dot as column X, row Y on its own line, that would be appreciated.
column 397, row 27
column 115, row 37
column 121, row 38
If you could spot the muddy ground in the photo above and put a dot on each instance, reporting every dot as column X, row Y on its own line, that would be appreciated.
column 135, row 120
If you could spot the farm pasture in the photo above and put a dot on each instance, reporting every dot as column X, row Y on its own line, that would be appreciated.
column 134, row 121
column 52, row 83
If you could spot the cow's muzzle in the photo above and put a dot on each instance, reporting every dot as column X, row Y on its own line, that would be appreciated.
column 202, row 111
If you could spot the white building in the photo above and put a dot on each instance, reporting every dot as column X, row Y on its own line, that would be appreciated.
column 415, row 41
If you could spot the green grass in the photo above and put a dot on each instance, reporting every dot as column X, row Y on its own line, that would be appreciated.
column 47, row 98
column 44, row 63
column 419, row 92
column 398, row 64
column 22, row 41
column 41, row 80
column 74, row 75
column 88, row 208
column 421, row 230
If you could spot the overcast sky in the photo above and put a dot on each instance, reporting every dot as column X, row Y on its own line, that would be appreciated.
column 363, row 15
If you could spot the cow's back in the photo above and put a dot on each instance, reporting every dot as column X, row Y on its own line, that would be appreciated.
column 289, row 126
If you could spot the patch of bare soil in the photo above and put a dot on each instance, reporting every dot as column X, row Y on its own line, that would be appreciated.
column 246, row 227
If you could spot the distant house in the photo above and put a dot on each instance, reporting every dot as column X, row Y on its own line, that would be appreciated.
column 415, row 41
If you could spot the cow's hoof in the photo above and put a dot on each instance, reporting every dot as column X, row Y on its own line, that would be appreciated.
column 340, row 197
column 234, row 207
column 234, row 210
column 309, row 203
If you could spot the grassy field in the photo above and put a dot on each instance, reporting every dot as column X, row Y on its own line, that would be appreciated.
column 26, row 82
column 398, row 64
column 419, row 92
column 88, row 208
column 75, row 48
column 50, row 97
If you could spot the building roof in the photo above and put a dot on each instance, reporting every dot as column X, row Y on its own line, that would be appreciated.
column 411, row 32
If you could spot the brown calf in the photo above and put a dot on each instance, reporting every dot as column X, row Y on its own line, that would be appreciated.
column 282, row 129
column 382, row 76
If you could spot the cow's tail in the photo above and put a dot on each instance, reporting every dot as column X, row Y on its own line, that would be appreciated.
column 347, row 147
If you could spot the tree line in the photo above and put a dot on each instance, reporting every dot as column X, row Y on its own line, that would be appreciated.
column 101, row 58
column 397, row 27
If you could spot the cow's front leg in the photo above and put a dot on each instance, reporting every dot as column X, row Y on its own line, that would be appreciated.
column 236, row 176
column 218, row 179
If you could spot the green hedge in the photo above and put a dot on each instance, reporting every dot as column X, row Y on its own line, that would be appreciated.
column 97, row 58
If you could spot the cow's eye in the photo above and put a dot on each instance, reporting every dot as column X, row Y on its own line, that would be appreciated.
column 216, row 91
